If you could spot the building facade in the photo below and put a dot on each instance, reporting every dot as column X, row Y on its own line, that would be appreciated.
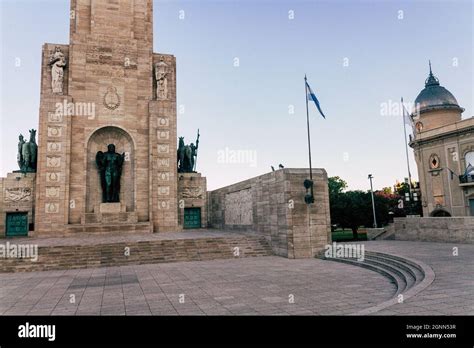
column 443, row 144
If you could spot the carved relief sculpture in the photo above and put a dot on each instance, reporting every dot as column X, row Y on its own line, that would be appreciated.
column 18, row 194
column 193, row 192
column 161, row 76
column 57, row 61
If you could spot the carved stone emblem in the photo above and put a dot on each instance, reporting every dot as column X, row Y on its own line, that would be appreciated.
column 163, row 148
column 163, row 162
column 54, row 147
column 111, row 98
column 52, row 192
column 163, row 190
column 164, row 176
column 51, row 208
column 164, row 122
column 163, row 205
column 54, row 132
column 53, row 162
column 52, row 177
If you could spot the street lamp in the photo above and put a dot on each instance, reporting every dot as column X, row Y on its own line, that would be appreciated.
column 373, row 202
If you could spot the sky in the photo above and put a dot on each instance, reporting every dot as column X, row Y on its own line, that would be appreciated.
column 240, row 78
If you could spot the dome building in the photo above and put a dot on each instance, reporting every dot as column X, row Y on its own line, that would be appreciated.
column 443, row 144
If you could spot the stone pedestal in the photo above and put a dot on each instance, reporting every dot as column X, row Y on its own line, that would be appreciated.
column 17, row 196
column 192, row 194
column 112, row 208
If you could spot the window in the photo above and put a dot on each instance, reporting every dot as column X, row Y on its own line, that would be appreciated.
column 469, row 158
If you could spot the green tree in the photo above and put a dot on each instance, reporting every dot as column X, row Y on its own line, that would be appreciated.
column 336, row 185
column 355, row 210
column 352, row 209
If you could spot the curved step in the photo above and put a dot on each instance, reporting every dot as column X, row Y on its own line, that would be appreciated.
column 414, row 264
column 393, row 277
column 409, row 275
column 407, row 280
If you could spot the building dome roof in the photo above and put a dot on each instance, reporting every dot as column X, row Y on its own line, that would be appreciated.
column 434, row 96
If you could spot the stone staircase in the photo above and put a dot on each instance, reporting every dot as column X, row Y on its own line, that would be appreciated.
column 409, row 276
column 134, row 252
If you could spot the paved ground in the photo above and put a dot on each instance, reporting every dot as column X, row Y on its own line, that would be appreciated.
column 251, row 286
column 451, row 293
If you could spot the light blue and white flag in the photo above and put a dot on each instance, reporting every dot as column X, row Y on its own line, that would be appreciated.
column 311, row 96
column 407, row 118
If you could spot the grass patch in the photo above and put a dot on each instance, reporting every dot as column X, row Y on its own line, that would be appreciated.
column 346, row 235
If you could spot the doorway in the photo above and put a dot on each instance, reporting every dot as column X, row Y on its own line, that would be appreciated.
column 192, row 218
column 17, row 225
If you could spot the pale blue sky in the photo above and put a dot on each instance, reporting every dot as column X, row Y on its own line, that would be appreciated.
column 246, row 108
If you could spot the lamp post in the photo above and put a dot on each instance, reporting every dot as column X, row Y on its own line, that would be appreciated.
column 373, row 201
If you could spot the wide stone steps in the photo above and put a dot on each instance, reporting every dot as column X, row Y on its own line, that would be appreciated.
column 408, row 275
column 139, row 252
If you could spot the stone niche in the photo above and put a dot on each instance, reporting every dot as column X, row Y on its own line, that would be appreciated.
column 96, row 210
column 192, row 193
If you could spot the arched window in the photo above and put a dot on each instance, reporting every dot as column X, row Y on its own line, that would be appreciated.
column 469, row 160
column 440, row 212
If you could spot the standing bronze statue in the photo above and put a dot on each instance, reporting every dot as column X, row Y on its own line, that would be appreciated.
column 110, row 166
column 19, row 156
column 27, row 153
column 187, row 155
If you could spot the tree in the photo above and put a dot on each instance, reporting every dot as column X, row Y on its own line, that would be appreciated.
column 352, row 209
column 355, row 211
column 336, row 185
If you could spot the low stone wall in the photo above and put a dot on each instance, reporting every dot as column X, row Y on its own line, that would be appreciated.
column 435, row 229
column 273, row 205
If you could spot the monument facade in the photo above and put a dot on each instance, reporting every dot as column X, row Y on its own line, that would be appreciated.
column 106, row 157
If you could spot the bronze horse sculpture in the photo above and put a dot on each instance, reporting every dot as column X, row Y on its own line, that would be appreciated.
column 27, row 153
column 185, row 157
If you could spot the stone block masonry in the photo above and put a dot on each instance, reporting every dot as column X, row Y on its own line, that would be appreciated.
column 435, row 229
column 273, row 205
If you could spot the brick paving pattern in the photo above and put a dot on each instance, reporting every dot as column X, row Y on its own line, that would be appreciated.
column 250, row 286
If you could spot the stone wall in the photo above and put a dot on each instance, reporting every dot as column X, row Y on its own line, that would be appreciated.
column 435, row 229
column 17, row 195
column 273, row 205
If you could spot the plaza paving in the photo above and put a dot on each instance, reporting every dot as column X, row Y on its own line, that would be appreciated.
column 249, row 286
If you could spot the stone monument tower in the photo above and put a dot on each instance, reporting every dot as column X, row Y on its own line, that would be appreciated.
column 107, row 87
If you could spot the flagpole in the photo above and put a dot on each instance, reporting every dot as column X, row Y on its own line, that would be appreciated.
column 406, row 148
column 309, row 138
